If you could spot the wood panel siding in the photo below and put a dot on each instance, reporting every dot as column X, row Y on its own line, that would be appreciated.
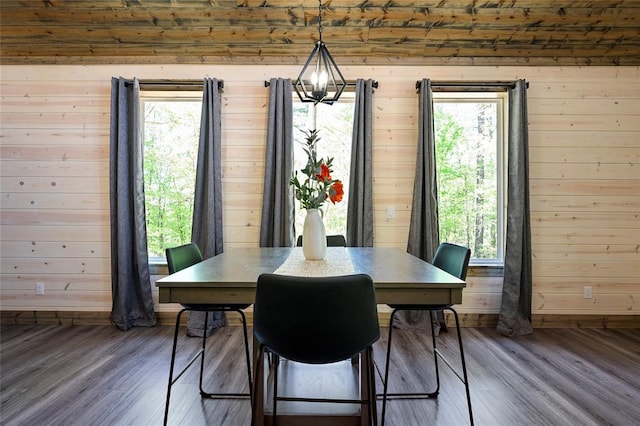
column 559, row 32
column 584, row 171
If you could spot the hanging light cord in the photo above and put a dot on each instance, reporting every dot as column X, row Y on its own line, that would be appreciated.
column 320, row 19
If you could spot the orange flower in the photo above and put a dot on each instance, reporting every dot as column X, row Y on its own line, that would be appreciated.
column 314, row 185
column 325, row 173
column 336, row 192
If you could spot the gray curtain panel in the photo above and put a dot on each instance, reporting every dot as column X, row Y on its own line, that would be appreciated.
column 515, row 310
column 360, row 202
column 277, row 223
column 206, row 229
column 424, row 234
column 132, row 301
column 423, row 226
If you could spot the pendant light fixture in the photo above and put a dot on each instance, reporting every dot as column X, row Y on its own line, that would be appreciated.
column 320, row 80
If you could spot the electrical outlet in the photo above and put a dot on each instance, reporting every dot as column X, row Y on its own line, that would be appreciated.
column 391, row 212
column 587, row 292
column 40, row 289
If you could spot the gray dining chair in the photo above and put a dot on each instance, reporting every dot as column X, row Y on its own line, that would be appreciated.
column 316, row 320
column 179, row 258
column 453, row 259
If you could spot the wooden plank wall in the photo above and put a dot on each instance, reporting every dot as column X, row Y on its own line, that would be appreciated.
column 585, row 177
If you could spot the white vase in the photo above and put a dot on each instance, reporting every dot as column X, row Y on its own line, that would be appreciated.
column 314, row 238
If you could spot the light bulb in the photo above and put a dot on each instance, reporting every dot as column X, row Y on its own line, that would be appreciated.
column 322, row 79
column 319, row 84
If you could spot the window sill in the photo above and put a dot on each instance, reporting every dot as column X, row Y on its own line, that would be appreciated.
column 158, row 267
column 486, row 270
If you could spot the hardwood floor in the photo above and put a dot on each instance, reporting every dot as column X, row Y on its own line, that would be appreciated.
column 97, row 375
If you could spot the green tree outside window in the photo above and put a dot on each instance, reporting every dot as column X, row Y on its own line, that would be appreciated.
column 171, row 132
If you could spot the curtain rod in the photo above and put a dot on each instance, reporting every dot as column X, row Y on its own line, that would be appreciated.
column 349, row 84
column 472, row 84
column 175, row 84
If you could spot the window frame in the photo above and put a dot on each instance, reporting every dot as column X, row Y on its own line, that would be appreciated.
column 163, row 95
column 500, row 98
column 348, row 96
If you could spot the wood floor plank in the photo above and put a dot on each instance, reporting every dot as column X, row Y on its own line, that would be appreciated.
column 98, row 375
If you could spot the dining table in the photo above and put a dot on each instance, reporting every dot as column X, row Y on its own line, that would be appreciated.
column 231, row 277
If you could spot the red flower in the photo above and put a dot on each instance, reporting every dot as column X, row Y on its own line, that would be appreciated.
column 325, row 173
column 336, row 192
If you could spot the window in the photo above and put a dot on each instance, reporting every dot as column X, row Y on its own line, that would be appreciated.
column 470, row 167
column 171, row 126
column 335, row 125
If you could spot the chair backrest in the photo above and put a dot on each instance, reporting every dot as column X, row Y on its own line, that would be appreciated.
column 315, row 320
column 332, row 241
column 182, row 257
column 453, row 259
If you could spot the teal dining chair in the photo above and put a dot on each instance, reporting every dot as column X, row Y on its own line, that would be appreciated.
column 453, row 259
column 179, row 258
column 316, row 320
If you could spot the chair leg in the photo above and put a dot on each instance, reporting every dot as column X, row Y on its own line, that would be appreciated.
column 258, row 380
column 204, row 345
column 371, row 385
column 274, row 414
column 464, row 378
column 211, row 395
column 385, row 382
column 171, row 366
column 428, row 395
column 246, row 350
column 201, row 354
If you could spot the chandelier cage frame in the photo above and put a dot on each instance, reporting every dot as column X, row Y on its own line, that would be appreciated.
column 320, row 80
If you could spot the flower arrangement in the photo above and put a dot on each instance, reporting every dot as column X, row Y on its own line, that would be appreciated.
column 317, row 185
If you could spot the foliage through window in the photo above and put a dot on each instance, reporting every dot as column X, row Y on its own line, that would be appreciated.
column 469, row 135
column 335, row 125
column 171, row 133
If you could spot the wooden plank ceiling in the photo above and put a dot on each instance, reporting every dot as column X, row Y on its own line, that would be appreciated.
column 441, row 32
